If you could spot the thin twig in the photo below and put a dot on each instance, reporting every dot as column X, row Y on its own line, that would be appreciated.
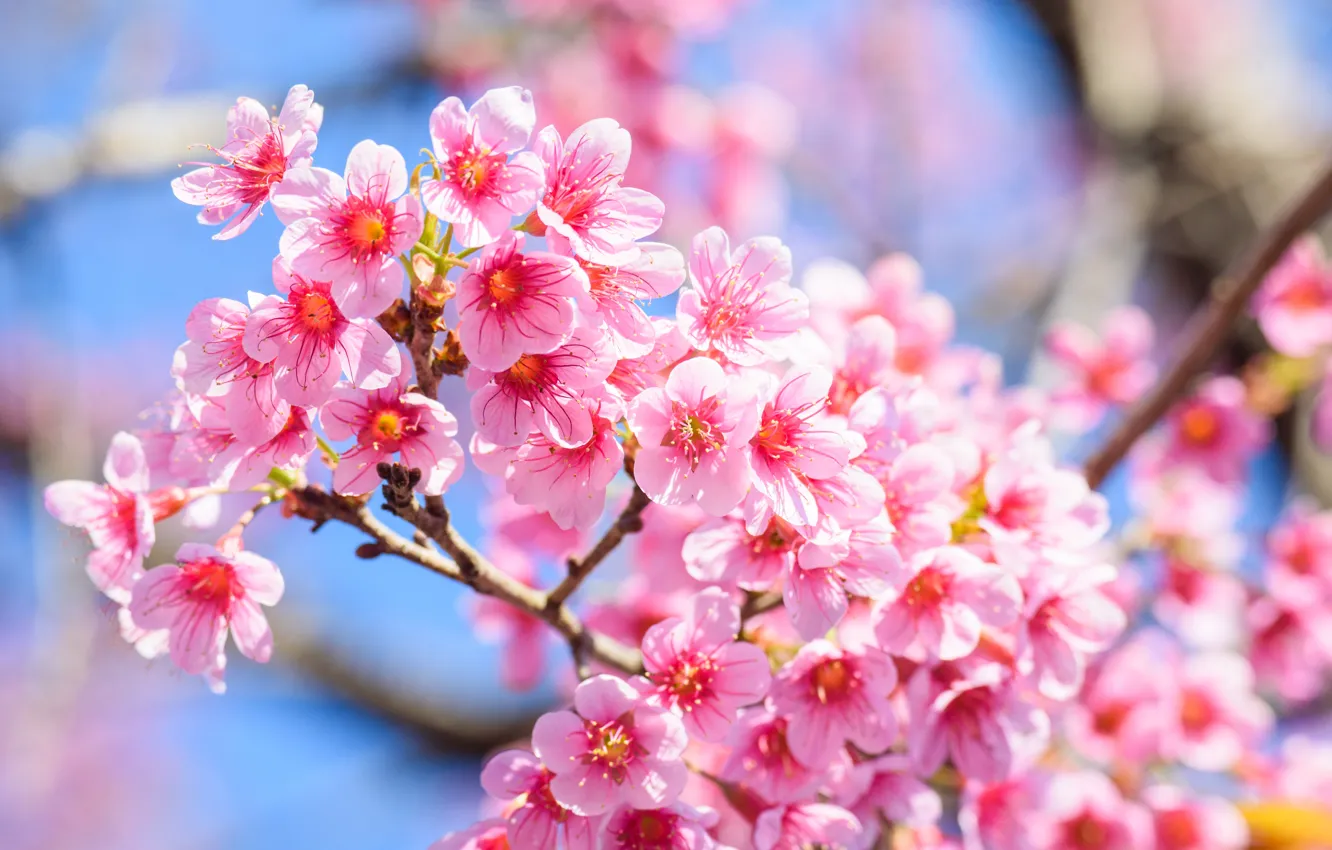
column 630, row 521
column 759, row 603
column 1210, row 326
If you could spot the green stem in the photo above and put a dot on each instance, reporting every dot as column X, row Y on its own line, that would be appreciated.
column 469, row 252
column 447, row 242
column 331, row 452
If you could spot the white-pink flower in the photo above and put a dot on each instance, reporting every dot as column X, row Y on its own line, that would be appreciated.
column 860, row 562
column 834, row 696
column 807, row 825
column 693, row 436
column 740, row 303
column 480, row 189
column 761, row 758
column 616, row 750
column 584, row 208
column 201, row 597
column 696, row 668
column 1069, row 616
column 258, row 154
column 350, row 230
column 512, row 303
column 569, row 483
column 392, row 421
column 1294, row 304
column 1113, row 370
column 657, row 271
column 535, row 820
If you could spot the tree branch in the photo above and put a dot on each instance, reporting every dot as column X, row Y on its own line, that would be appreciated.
column 1211, row 325
column 630, row 521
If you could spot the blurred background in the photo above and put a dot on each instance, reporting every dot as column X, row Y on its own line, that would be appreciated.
column 1041, row 158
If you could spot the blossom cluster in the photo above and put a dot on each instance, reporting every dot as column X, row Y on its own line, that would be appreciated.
column 865, row 592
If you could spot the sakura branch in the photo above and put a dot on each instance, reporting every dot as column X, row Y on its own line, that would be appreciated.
column 850, row 575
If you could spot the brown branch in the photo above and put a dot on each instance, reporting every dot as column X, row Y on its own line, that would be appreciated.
column 1211, row 325
column 759, row 603
column 630, row 521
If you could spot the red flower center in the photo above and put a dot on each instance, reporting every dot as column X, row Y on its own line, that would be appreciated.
column 211, row 582
column 832, row 680
column 927, row 589
column 1199, row 425
column 315, row 309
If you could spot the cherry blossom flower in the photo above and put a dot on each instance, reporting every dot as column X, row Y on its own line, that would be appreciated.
column 1214, row 431
column 313, row 339
column 1128, row 708
column 917, row 497
column 480, row 188
column 392, row 421
column 260, row 152
column 487, row 835
column 512, row 303
column 807, row 825
column 657, row 271
column 678, row 826
column 118, row 516
column 1182, row 821
column 886, row 787
column 203, row 596
column 836, row 696
column 242, row 465
column 949, row 597
column 1294, row 304
column 1068, row 617
column 723, row 550
column 796, row 442
column 695, row 667
column 693, row 434
column 1110, row 371
column 584, row 208
column 1299, row 555
column 859, row 562
column 761, row 758
column 869, row 362
column 569, row 484
column 534, row 818
column 740, row 303
column 350, row 230
column 616, row 750
column 1220, row 717
column 1084, row 810
column 1290, row 647
column 633, row 375
column 543, row 392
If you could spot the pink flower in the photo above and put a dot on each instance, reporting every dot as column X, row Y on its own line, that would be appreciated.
column 695, row 667
column 487, row 835
column 1111, row 371
column 1220, row 717
column 807, row 825
column 569, row 484
column 693, row 434
column 950, row 597
column 657, row 271
column 740, row 304
column 1299, row 556
column 214, row 363
column 313, row 337
column 976, row 718
column 723, row 550
column 586, row 210
column 1294, row 304
column 762, row 761
column 1068, row 617
column 616, row 750
column 351, row 230
column 543, row 392
column 1304, row 774
column 1085, row 810
column 796, row 442
column 631, row 376
column 678, row 826
column 917, row 486
column 1129, row 705
column 118, row 515
column 1205, row 607
column 1214, row 431
column 1186, row 822
column 391, row 421
column 203, row 595
column 860, row 562
column 1290, row 648
column 480, row 188
column 836, row 696
column 535, row 819
column 885, row 787
column 241, row 465
column 511, row 304
column 868, row 362
column 259, row 153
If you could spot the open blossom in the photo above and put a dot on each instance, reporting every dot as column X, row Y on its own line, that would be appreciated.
column 314, row 336
column 534, row 818
column 796, row 442
column 657, row 271
column 740, row 303
column 256, row 158
column 887, row 787
column 1220, row 716
column 543, row 392
column 351, row 229
column 202, row 596
column 860, row 562
column 584, row 208
column 1129, row 705
column 512, row 303
column 1299, row 556
column 616, row 750
column 950, row 597
column 1213, row 430
column 807, row 825
column 569, row 483
column 917, row 497
column 696, row 668
column 836, row 696
column 1069, row 616
column 678, row 826
column 1085, row 810
column 723, row 550
column 761, row 758
column 1294, row 304
column 392, row 421
column 693, row 434
column 1110, row 371
column 1290, row 647
column 243, row 464
column 1183, row 821
column 480, row 189
column 118, row 515
column 489, row 834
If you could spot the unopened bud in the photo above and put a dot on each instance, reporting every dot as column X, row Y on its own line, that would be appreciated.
column 533, row 225
column 396, row 320
column 168, row 501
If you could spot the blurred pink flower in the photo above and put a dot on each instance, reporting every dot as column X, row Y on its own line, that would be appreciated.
column 1110, row 371
column 1294, row 304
